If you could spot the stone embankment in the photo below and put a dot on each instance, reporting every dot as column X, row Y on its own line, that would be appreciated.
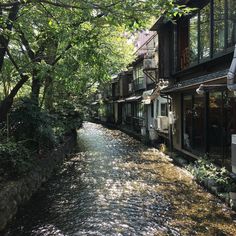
column 17, row 192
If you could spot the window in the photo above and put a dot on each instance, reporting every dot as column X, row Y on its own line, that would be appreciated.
column 193, row 123
column 221, row 125
column 230, row 113
column 231, row 21
column 164, row 111
column 187, row 122
column 212, row 114
column 193, row 39
column 183, row 39
column 140, row 110
column 152, row 109
column 215, row 125
column 208, row 35
column 128, row 109
column 139, row 77
column 219, row 26
column 205, row 32
column 198, row 123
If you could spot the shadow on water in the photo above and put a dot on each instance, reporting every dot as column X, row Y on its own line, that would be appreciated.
column 113, row 185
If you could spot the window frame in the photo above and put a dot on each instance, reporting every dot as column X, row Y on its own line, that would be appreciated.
column 213, row 55
column 165, row 111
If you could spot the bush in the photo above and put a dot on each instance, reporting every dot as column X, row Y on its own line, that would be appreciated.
column 3, row 132
column 203, row 170
column 15, row 159
column 67, row 117
column 29, row 123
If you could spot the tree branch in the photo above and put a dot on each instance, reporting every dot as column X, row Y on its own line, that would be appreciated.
column 6, row 103
column 49, row 13
column 22, row 2
column 14, row 62
column 4, row 41
column 69, row 46
column 25, row 42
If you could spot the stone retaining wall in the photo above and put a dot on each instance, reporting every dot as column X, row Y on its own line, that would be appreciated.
column 15, row 193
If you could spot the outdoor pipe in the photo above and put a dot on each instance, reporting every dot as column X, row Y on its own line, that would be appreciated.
column 231, row 85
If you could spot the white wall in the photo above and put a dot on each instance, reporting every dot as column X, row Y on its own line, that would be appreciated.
column 157, row 108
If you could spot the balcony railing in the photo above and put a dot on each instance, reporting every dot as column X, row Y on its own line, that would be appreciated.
column 139, row 84
column 135, row 122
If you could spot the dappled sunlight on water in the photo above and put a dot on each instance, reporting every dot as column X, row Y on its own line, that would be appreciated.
column 114, row 185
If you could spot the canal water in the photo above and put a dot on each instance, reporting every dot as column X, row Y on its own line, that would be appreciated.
column 113, row 185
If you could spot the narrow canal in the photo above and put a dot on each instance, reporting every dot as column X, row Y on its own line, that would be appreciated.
column 114, row 185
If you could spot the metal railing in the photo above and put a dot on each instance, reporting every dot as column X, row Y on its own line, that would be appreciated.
column 139, row 84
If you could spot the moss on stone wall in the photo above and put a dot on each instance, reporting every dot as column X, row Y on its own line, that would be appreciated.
column 15, row 193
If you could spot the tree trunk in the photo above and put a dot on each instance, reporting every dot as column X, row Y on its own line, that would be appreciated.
column 4, row 41
column 49, row 93
column 51, row 53
column 6, row 103
column 35, row 87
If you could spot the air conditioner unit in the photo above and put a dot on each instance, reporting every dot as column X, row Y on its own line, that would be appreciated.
column 149, row 63
column 130, row 87
column 161, row 123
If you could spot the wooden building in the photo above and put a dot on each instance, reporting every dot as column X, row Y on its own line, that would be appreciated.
column 198, row 49
column 132, row 98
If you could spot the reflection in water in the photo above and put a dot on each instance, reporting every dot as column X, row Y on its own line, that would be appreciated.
column 114, row 185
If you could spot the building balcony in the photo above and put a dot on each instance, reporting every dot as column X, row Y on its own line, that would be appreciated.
column 139, row 84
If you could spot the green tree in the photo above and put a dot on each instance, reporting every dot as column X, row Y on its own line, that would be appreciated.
column 67, row 43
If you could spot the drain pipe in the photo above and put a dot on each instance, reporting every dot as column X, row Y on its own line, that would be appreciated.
column 231, row 83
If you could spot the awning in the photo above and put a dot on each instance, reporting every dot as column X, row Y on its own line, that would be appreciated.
column 134, row 98
column 195, row 81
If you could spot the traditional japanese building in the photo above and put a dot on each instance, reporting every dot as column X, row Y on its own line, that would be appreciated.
column 197, row 50
column 132, row 98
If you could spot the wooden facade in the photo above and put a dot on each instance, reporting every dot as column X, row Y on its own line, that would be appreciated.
column 198, row 49
column 132, row 98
